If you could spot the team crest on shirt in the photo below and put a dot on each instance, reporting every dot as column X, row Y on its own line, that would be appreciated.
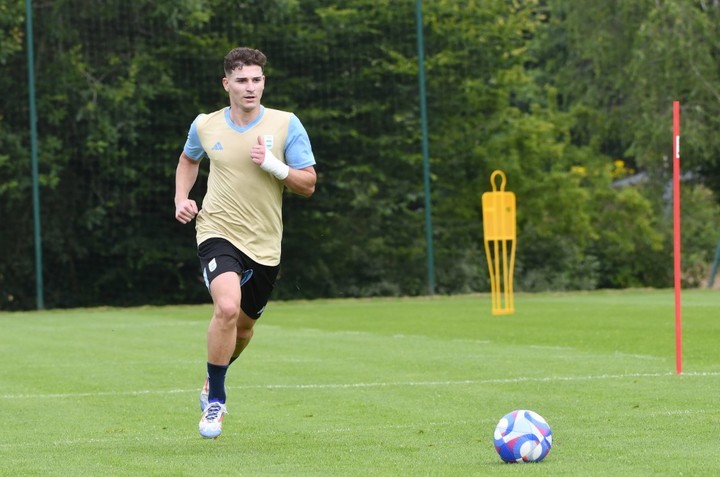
column 269, row 139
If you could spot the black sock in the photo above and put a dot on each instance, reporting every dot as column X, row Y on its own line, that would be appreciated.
column 216, row 378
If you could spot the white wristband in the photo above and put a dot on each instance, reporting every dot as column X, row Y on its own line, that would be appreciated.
column 275, row 166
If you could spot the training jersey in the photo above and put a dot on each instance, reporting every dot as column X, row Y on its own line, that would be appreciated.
column 243, row 203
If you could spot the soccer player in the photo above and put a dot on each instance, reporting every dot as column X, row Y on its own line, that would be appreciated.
column 255, row 153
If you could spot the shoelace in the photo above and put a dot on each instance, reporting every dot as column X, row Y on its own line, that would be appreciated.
column 212, row 411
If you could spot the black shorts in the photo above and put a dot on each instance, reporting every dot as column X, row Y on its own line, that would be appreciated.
column 257, row 281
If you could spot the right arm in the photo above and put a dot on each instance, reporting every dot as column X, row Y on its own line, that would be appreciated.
column 185, row 176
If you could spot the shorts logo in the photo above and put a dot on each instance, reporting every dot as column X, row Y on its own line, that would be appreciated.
column 212, row 265
column 269, row 140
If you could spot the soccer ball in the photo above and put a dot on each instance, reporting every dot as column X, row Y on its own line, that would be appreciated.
column 522, row 436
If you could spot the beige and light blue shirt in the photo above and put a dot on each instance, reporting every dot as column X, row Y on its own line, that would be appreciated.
column 243, row 203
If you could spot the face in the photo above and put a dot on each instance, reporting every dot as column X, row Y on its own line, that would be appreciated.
column 245, row 87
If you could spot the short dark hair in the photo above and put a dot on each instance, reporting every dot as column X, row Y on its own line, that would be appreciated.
column 239, row 57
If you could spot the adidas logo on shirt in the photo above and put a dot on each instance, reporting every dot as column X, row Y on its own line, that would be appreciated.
column 217, row 147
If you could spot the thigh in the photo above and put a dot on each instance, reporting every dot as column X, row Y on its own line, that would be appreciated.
column 225, row 292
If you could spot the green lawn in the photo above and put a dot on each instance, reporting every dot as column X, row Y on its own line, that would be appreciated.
column 391, row 387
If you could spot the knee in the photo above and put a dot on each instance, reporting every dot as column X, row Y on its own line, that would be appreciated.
column 227, row 311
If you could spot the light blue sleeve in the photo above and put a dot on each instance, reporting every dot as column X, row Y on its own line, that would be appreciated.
column 193, row 148
column 298, row 152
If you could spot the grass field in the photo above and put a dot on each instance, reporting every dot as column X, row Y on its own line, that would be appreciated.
column 385, row 387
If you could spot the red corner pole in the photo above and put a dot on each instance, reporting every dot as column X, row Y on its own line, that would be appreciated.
column 676, row 236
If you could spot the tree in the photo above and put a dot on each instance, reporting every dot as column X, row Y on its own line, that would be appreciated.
column 618, row 67
column 565, row 97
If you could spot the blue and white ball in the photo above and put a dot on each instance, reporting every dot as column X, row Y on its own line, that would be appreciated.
column 522, row 436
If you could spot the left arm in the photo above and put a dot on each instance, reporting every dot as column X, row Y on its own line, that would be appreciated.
column 300, row 181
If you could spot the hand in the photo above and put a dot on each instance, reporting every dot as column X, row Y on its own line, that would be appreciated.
column 257, row 152
column 185, row 211
column 268, row 162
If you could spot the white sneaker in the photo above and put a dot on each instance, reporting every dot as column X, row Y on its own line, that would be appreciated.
column 211, row 420
column 204, row 395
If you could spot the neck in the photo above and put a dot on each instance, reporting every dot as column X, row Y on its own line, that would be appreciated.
column 242, row 117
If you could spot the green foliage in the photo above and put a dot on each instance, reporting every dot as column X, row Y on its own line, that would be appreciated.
column 628, row 240
column 12, row 20
column 676, row 59
column 618, row 66
column 699, row 223
column 564, row 97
